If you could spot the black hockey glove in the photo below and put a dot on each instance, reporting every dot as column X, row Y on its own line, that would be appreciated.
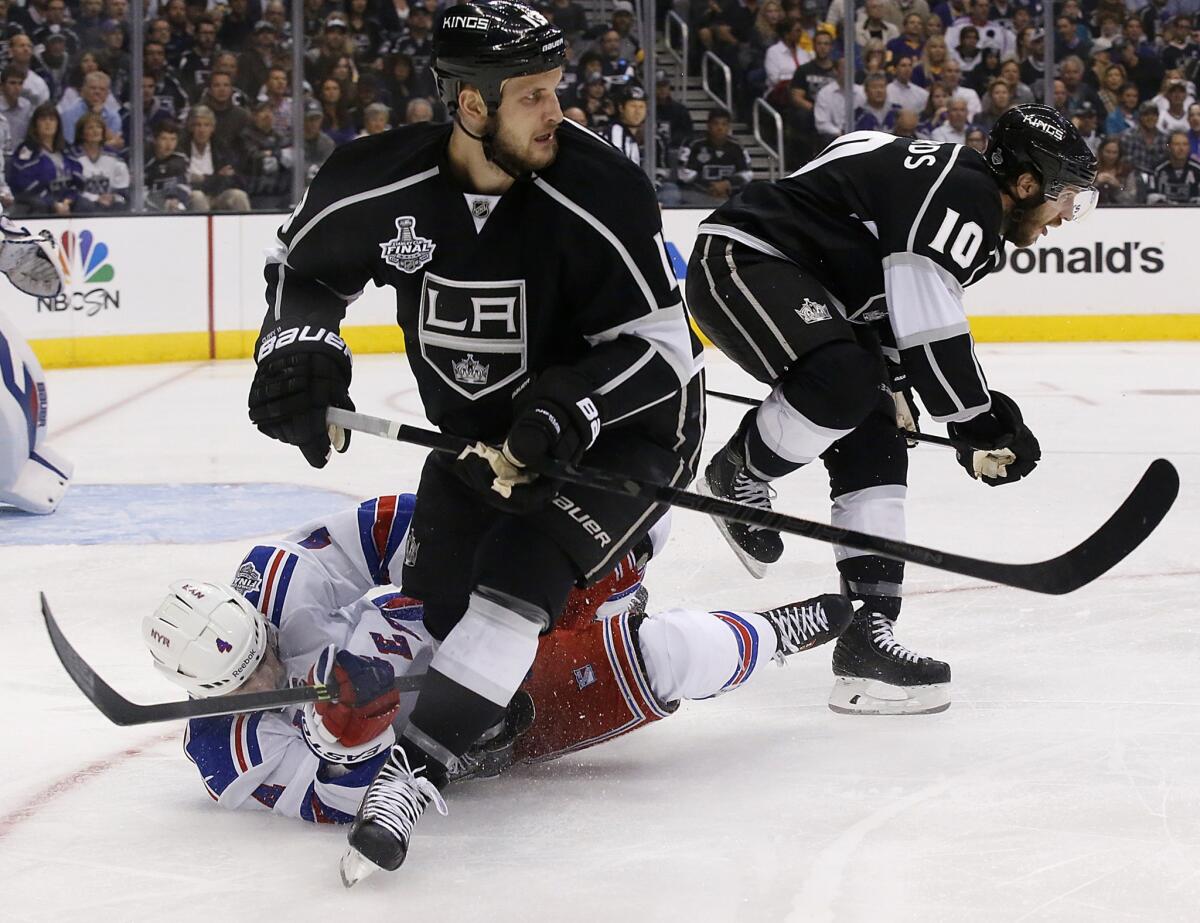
column 559, row 420
column 908, row 415
column 302, row 372
column 486, row 470
column 996, row 447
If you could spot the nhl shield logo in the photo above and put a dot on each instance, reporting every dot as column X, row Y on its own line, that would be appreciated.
column 406, row 251
column 473, row 333
column 812, row 311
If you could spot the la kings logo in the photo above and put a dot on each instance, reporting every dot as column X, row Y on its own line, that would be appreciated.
column 473, row 334
column 406, row 251
column 813, row 311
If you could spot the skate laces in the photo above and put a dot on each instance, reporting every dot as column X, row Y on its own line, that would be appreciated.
column 751, row 491
column 398, row 796
column 881, row 635
column 797, row 626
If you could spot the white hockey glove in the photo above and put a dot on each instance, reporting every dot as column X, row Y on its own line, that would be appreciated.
column 359, row 725
column 24, row 259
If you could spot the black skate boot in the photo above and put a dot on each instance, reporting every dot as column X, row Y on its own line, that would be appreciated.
column 876, row 675
column 379, row 836
column 808, row 624
column 727, row 477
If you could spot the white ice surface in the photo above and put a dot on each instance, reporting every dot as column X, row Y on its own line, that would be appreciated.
column 1063, row 783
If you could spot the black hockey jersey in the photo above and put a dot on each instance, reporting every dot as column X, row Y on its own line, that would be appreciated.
column 892, row 228
column 568, row 267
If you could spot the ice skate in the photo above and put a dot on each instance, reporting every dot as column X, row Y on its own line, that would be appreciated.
column 726, row 477
column 380, row 833
column 801, row 626
column 876, row 675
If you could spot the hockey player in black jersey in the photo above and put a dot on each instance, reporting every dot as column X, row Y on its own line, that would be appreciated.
column 808, row 283
column 541, row 318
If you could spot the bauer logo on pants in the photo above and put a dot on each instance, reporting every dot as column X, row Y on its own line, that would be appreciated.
column 473, row 333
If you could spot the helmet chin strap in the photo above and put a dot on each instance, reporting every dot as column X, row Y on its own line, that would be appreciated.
column 485, row 140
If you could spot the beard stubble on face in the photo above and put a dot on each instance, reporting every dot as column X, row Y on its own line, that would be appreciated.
column 517, row 156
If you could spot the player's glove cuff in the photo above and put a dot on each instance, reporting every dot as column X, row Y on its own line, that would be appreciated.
column 560, row 420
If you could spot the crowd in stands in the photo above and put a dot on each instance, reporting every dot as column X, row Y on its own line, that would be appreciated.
column 1124, row 73
column 216, row 96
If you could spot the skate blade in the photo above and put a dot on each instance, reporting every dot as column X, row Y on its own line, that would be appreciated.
column 757, row 569
column 856, row 696
column 354, row 867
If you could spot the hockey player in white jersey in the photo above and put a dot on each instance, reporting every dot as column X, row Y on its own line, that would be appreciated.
column 321, row 606
column 33, row 476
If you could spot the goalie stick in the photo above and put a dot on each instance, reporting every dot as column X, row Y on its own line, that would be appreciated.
column 1125, row 529
column 119, row 710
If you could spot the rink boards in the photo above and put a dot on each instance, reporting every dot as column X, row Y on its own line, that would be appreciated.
column 157, row 288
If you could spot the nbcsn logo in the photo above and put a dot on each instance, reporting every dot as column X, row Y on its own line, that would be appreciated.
column 86, row 268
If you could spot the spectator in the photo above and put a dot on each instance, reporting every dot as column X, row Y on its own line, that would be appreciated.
column 934, row 25
column 996, row 102
column 1144, row 146
column 399, row 81
column 596, row 102
column 345, row 73
column 674, row 118
column 987, row 70
column 1174, row 116
column 89, row 23
column 36, row 89
column 1068, row 40
column 254, row 64
column 875, row 113
column 990, row 34
column 766, row 32
column 618, row 70
column 15, row 108
column 1018, row 91
column 576, row 115
column 910, row 42
column 231, row 119
column 1194, row 129
column 1116, row 180
column 1125, row 115
column 874, row 61
column 812, row 77
column 570, row 17
column 55, row 25
column 1030, row 54
column 179, row 36
column 167, row 171
column 622, row 24
column 417, row 43
column 317, row 145
column 957, row 121
column 1085, row 120
column 275, row 95
column 152, row 114
column 114, row 60
column 275, row 13
column 829, row 108
column 800, row 129
column 236, row 27
column 104, row 176
column 1180, row 52
column 1142, row 67
column 54, row 63
column 267, row 183
column 376, row 120
column 94, row 98
column 977, row 139
column 87, row 63
column 364, row 32
column 933, row 62
column 334, row 43
column 1061, row 98
column 197, row 64
column 338, row 122
column 809, row 14
column 44, row 178
column 871, row 25
column 1078, row 91
column 1176, row 181
column 902, row 92
column 213, row 177
column 625, row 132
column 784, row 58
column 168, row 91
column 952, row 80
column 906, row 124
column 1110, row 87
column 713, row 167
column 419, row 109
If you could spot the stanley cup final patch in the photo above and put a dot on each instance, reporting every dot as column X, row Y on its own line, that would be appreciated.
column 407, row 251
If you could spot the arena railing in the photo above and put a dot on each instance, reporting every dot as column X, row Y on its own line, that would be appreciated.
column 763, row 109
column 727, row 100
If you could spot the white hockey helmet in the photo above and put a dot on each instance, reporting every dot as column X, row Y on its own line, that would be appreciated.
column 206, row 637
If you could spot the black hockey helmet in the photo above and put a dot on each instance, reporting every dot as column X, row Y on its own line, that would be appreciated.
column 485, row 43
column 1040, row 140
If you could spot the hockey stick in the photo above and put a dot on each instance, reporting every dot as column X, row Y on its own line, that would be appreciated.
column 1127, row 528
column 912, row 435
column 119, row 710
